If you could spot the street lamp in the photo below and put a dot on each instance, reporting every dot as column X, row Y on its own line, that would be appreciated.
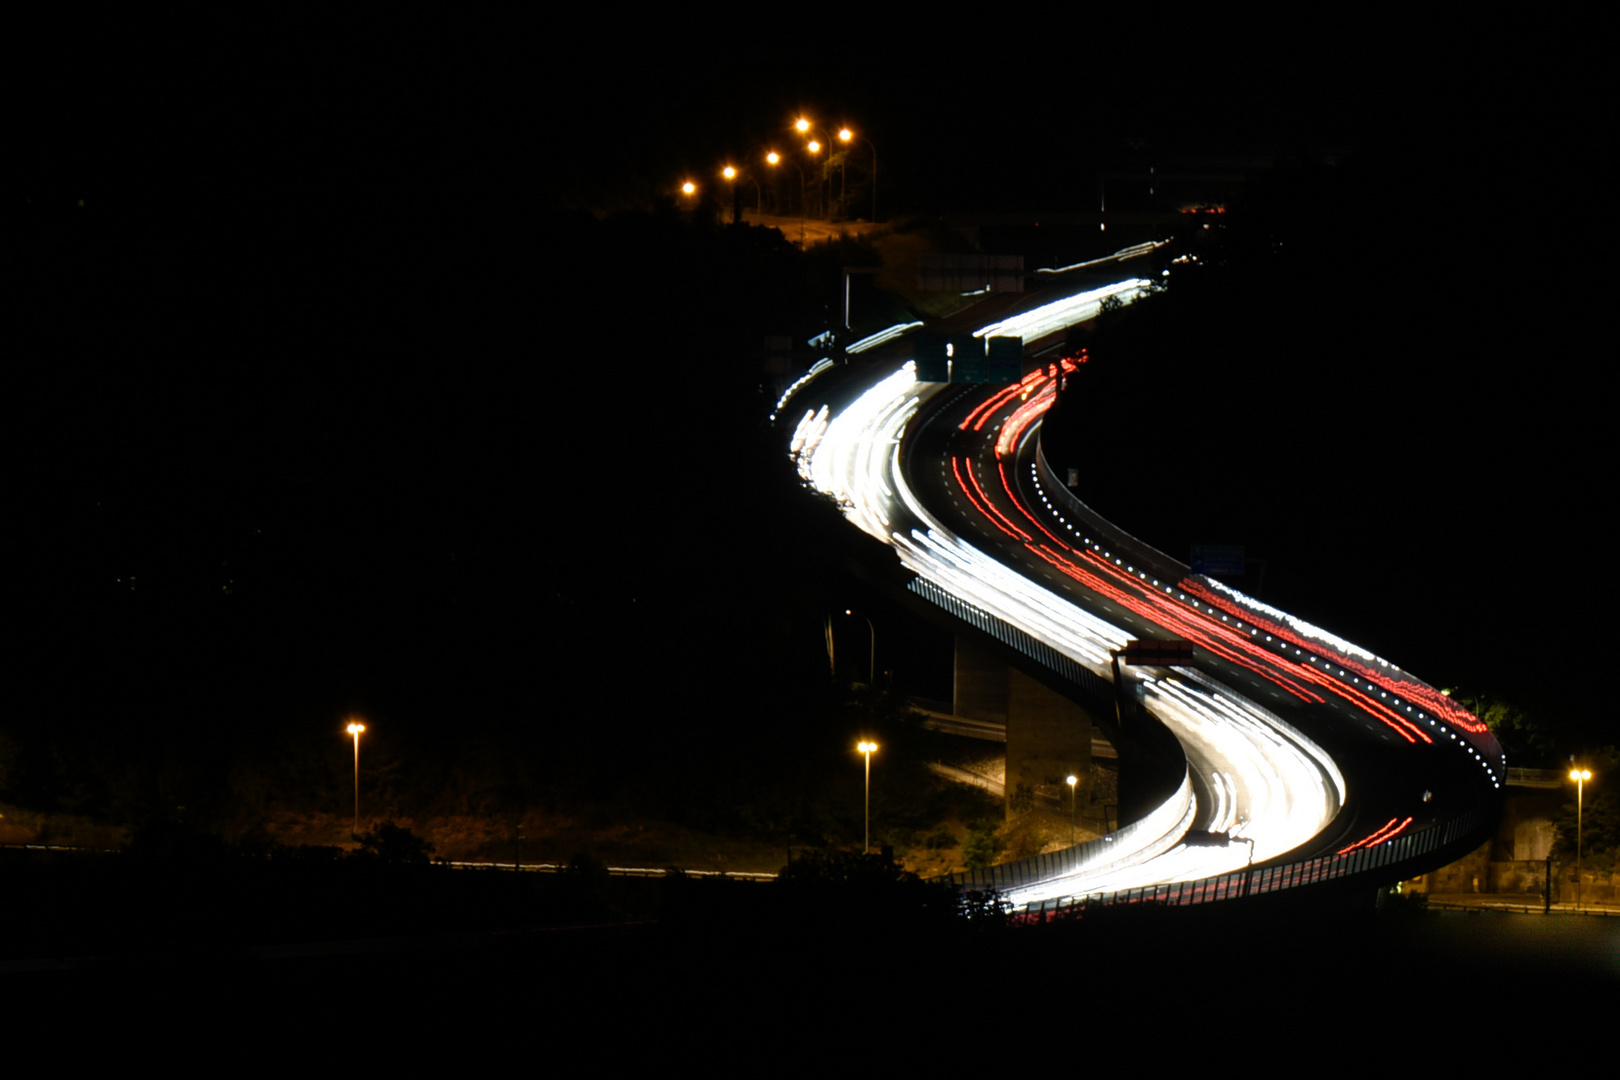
column 804, row 127
column 866, row 748
column 845, row 135
column 1071, row 780
column 822, row 182
column 731, row 175
column 774, row 159
column 1580, row 776
column 355, row 729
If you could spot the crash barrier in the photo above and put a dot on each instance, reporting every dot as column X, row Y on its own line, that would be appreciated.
column 1382, row 858
column 1006, row 633
column 1153, row 835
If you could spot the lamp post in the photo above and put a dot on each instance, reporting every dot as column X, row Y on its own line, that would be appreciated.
column 1071, row 780
column 1580, row 776
column 866, row 747
column 871, row 657
column 355, row 729
column 845, row 135
column 773, row 159
column 731, row 174
column 814, row 146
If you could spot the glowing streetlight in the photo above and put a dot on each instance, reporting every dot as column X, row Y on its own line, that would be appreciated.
column 818, row 139
column 844, row 135
column 866, row 748
column 1071, row 780
column 355, row 729
column 774, row 159
column 731, row 175
column 805, row 127
column 1580, row 776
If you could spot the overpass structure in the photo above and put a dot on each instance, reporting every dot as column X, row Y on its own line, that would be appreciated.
column 1280, row 756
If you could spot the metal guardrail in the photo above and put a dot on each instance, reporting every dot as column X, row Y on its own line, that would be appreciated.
column 1536, row 778
column 1004, row 632
column 1382, row 857
column 59, row 847
column 1143, row 554
column 615, row 871
column 1162, row 829
column 1271, row 879
column 1507, row 907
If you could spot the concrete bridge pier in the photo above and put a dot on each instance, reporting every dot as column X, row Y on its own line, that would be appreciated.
column 1048, row 736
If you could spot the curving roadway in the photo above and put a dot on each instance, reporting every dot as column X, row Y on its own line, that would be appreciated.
column 1315, row 756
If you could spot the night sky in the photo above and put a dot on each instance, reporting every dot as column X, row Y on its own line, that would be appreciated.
column 314, row 323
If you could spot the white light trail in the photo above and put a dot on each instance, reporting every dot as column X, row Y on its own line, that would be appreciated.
column 1062, row 314
column 1266, row 780
column 1119, row 256
column 839, row 455
column 1299, row 626
column 803, row 380
column 872, row 341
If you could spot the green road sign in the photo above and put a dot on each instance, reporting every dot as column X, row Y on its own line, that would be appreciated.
column 933, row 365
column 1006, row 360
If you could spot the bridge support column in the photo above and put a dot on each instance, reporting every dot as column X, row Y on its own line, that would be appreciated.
column 1048, row 736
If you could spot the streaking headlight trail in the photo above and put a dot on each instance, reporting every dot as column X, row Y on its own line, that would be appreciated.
column 1004, row 547
column 1273, row 786
column 1062, row 314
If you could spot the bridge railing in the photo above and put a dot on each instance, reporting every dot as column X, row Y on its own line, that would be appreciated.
column 1382, row 859
column 1006, row 633
column 1152, row 835
column 1102, row 530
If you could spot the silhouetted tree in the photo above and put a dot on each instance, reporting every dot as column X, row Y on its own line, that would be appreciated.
column 394, row 844
column 1530, row 739
column 873, row 891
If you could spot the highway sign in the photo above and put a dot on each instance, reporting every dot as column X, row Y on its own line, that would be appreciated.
column 967, row 358
column 1223, row 559
column 932, row 363
column 1161, row 653
column 1006, row 360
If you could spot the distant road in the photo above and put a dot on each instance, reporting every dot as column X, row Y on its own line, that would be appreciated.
column 807, row 231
